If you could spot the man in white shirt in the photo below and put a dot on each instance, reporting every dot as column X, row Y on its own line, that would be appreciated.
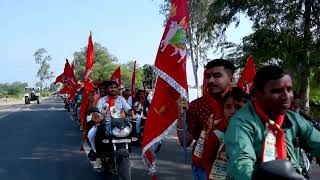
column 112, row 106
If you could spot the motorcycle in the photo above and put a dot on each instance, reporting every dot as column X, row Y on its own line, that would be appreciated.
column 115, row 149
column 135, row 135
column 276, row 170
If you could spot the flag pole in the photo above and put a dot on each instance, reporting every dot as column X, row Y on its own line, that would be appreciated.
column 184, row 120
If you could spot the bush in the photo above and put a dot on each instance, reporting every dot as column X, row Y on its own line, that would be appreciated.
column 45, row 94
column 315, row 97
column 14, row 90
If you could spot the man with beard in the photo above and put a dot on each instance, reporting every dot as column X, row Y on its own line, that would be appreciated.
column 265, row 130
column 111, row 106
column 219, row 78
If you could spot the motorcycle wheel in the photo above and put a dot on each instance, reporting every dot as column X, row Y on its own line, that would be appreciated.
column 26, row 100
column 123, row 164
column 38, row 101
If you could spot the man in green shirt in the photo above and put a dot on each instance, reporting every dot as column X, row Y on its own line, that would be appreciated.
column 245, row 138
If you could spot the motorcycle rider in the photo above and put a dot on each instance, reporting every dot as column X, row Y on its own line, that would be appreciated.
column 112, row 106
column 93, row 100
column 138, row 105
column 78, row 100
column 265, row 130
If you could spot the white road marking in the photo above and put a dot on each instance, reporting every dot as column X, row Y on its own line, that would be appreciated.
column 87, row 149
column 52, row 108
column 73, row 121
column 4, row 116
column 10, row 113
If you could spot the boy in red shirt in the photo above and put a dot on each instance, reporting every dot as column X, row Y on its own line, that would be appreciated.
column 213, row 144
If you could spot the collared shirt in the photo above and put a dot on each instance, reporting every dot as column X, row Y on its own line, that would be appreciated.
column 120, row 106
column 245, row 136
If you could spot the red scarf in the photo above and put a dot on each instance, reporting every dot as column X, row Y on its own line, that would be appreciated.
column 111, row 101
column 281, row 148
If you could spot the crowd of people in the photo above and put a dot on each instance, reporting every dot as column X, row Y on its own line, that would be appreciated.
column 232, row 132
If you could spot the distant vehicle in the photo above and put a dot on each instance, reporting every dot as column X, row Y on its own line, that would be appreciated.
column 31, row 94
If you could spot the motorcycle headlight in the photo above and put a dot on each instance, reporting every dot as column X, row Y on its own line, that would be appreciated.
column 121, row 133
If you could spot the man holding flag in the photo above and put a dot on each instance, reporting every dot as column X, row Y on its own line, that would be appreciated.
column 205, row 113
column 170, row 66
column 88, row 88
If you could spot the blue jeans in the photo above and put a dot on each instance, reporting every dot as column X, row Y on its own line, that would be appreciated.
column 198, row 173
column 138, row 122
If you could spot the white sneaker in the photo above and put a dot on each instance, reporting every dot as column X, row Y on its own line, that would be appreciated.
column 98, row 163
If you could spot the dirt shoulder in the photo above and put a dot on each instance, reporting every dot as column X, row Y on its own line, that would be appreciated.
column 10, row 101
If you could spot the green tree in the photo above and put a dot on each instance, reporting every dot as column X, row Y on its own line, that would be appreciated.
column 42, row 58
column 13, row 90
column 104, row 65
column 285, row 32
column 103, row 62
column 39, row 84
column 148, row 76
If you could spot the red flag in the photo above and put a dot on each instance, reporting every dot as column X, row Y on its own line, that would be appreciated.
column 116, row 76
column 98, row 82
column 88, row 85
column 64, row 90
column 170, row 66
column 133, row 80
column 246, row 79
column 69, row 80
column 73, row 91
column 90, row 56
column 68, row 76
column 59, row 79
column 204, row 82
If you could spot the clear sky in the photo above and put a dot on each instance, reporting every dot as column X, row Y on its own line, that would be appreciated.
column 130, row 29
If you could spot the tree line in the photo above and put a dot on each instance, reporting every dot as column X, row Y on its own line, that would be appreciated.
column 15, row 89
column 105, row 64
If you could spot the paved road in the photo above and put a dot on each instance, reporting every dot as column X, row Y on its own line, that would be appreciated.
column 42, row 142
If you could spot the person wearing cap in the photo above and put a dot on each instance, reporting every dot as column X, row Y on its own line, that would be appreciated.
column 219, row 76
